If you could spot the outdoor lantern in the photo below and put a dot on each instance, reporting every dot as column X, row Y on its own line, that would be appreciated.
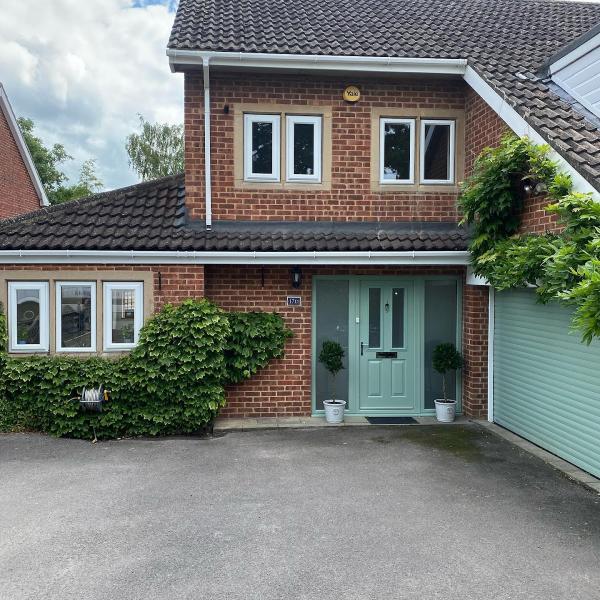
column 296, row 277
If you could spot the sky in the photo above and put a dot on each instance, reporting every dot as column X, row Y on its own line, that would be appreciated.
column 84, row 69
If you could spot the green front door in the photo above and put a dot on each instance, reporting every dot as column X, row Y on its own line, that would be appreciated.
column 387, row 348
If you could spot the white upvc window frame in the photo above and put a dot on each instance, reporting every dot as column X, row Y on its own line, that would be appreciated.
column 44, row 325
column 316, row 122
column 452, row 150
column 383, row 121
column 58, row 326
column 108, row 287
column 275, row 120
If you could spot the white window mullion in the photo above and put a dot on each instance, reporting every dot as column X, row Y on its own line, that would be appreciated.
column 36, row 294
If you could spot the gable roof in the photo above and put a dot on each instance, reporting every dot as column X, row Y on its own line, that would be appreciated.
column 9, row 115
column 151, row 216
column 507, row 42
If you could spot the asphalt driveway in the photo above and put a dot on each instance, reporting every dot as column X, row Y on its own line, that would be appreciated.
column 359, row 512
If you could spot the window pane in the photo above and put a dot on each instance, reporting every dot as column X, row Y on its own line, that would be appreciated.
column 398, row 318
column 331, row 303
column 123, row 316
column 437, row 152
column 28, row 317
column 262, row 147
column 76, row 316
column 440, row 327
column 396, row 152
column 304, row 149
column 374, row 317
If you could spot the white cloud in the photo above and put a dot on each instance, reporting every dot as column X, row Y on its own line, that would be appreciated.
column 83, row 70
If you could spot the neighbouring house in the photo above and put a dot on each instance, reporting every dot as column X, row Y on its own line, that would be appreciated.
column 21, row 190
column 325, row 144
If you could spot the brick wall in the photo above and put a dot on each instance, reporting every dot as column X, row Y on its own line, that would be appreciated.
column 284, row 386
column 172, row 283
column 17, row 194
column 350, row 197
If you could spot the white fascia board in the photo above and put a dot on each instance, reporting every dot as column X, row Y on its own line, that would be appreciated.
column 233, row 258
column 13, row 125
column 575, row 54
column 522, row 128
column 367, row 64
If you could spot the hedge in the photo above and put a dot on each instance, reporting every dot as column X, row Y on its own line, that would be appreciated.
column 172, row 382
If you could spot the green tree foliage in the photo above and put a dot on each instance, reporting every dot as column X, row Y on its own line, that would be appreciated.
column 446, row 358
column 156, row 150
column 331, row 357
column 172, row 382
column 48, row 162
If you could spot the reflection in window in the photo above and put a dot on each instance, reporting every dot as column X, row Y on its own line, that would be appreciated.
column 396, row 150
column 437, row 151
column 262, row 148
column 123, row 316
column 77, row 316
column 28, row 316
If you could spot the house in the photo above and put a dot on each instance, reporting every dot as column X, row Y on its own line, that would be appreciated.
column 21, row 190
column 325, row 144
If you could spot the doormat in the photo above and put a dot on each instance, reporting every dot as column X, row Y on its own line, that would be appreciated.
column 392, row 420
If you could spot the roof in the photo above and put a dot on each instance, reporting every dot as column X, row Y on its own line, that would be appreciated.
column 507, row 42
column 151, row 216
column 13, row 125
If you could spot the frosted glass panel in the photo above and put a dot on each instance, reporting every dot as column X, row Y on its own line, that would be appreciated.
column 28, row 316
column 374, row 317
column 440, row 326
column 331, row 302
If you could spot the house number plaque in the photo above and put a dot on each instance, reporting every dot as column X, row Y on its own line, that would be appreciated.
column 294, row 300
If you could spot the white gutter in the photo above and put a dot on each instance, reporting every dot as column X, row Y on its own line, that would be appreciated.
column 522, row 128
column 207, row 169
column 233, row 258
column 13, row 125
column 258, row 60
column 490, row 357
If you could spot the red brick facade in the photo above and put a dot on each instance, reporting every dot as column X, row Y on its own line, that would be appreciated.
column 17, row 194
column 350, row 196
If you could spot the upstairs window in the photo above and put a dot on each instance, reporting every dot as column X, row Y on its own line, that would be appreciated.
column 261, row 147
column 28, row 321
column 396, row 152
column 303, row 148
column 75, row 316
column 437, row 151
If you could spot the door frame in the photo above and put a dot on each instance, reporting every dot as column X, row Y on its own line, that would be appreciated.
column 354, row 285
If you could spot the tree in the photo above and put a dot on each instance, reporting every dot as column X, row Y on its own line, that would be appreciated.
column 48, row 161
column 157, row 150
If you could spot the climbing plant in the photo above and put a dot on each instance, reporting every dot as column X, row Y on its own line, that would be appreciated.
column 562, row 266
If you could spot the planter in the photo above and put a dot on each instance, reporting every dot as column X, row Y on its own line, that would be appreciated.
column 334, row 410
column 445, row 411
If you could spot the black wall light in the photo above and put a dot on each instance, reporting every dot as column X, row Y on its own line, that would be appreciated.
column 296, row 274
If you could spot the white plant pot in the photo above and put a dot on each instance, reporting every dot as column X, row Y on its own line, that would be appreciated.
column 445, row 411
column 334, row 410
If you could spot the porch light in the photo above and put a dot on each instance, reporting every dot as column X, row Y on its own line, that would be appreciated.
column 296, row 273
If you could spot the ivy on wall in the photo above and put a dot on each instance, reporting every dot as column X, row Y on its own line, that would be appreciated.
column 563, row 267
column 172, row 382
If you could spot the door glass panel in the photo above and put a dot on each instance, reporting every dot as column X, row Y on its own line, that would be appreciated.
column 262, row 147
column 331, row 304
column 28, row 317
column 374, row 317
column 398, row 318
column 123, row 316
column 440, row 327
column 304, row 149
column 76, row 316
column 437, row 152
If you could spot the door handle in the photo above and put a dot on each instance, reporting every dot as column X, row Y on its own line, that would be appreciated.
column 362, row 346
